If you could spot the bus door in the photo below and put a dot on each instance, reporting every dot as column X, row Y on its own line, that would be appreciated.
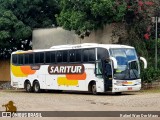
column 107, row 75
column 104, row 70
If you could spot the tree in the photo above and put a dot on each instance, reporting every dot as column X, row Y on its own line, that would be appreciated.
column 19, row 17
column 86, row 15
column 141, row 35
column 12, row 31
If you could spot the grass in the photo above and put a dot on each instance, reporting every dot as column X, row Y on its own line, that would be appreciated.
column 151, row 90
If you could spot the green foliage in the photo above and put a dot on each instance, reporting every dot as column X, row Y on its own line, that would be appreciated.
column 19, row 17
column 83, row 15
column 145, row 48
column 150, row 74
column 4, row 35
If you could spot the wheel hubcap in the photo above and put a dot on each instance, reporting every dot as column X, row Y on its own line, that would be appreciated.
column 94, row 89
column 36, row 87
column 28, row 87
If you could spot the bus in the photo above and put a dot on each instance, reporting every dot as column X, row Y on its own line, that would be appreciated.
column 97, row 68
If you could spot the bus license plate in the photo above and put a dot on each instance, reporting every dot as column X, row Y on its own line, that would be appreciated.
column 130, row 88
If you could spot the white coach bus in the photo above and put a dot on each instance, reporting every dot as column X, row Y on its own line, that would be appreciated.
column 97, row 68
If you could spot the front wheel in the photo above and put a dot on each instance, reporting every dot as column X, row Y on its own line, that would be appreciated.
column 36, row 87
column 94, row 89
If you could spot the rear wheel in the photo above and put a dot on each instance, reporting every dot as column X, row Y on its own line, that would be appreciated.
column 36, row 87
column 94, row 89
column 28, row 87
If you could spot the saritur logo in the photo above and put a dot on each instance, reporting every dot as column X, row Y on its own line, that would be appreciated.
column 66, row 69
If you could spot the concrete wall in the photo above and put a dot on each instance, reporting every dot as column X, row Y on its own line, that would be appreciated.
column 4, row 70
column 45, row 38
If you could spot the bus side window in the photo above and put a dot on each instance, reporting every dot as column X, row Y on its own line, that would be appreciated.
column 78, row 55
column 39, row 57
column 20, row 59
column 72, row 56
column 26, row 58
column 47, row 57
column 102, row 53
column 65, row 56
column 98, row 68
column 14, row 59
column 53, row 57
column 30, row 59
column 59, row 55
column 92, row 56
column 85, row 55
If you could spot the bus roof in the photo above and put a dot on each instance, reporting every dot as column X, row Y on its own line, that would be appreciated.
column 76, row 46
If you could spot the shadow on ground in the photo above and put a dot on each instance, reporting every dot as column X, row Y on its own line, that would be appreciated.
column 70, row 92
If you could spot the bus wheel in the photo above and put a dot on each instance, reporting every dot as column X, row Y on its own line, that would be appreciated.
column 28, row 87
column 36, row 87
column 94, row 89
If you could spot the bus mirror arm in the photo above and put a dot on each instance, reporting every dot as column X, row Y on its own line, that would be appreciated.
column 114, row 62
column 144, row 61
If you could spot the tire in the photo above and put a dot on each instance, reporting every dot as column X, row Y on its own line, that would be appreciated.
column 94, row 89
column 28, row 87
column 36, row 87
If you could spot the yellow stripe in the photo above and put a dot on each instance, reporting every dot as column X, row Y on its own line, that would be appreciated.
column 65, row 81
column 16, row 70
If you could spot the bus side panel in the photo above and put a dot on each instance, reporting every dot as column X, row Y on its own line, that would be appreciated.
column 14, row 81
column 17, row 82
column 100, row 85
column 41, row 79
column 51, row 82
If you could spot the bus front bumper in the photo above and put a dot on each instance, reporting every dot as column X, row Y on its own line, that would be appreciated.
column 126, row 88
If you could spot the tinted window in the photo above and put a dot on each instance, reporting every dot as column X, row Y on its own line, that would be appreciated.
column 48, row 57
column 28, row 58
column 91, row 53
column 78, row 55
column 59, row 56
column 102, row 53
column 20, row 59
column 72, row 55
column 65, row 56
column 53, row 57
column 39, row 57
column 85, row 55
column 14, row 59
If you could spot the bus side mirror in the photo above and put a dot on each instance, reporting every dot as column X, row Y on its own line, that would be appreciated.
column 144, row 61
column 114, row 62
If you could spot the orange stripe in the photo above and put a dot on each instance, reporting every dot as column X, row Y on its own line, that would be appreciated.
column 76, row 76
column 27, row 70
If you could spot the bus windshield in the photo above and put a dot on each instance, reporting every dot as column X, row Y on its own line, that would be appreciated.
column 128, row 64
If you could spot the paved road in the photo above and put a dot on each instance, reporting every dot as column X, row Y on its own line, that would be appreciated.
column 68, row 101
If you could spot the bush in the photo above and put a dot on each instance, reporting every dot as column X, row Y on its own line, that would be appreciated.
column 150, row 74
